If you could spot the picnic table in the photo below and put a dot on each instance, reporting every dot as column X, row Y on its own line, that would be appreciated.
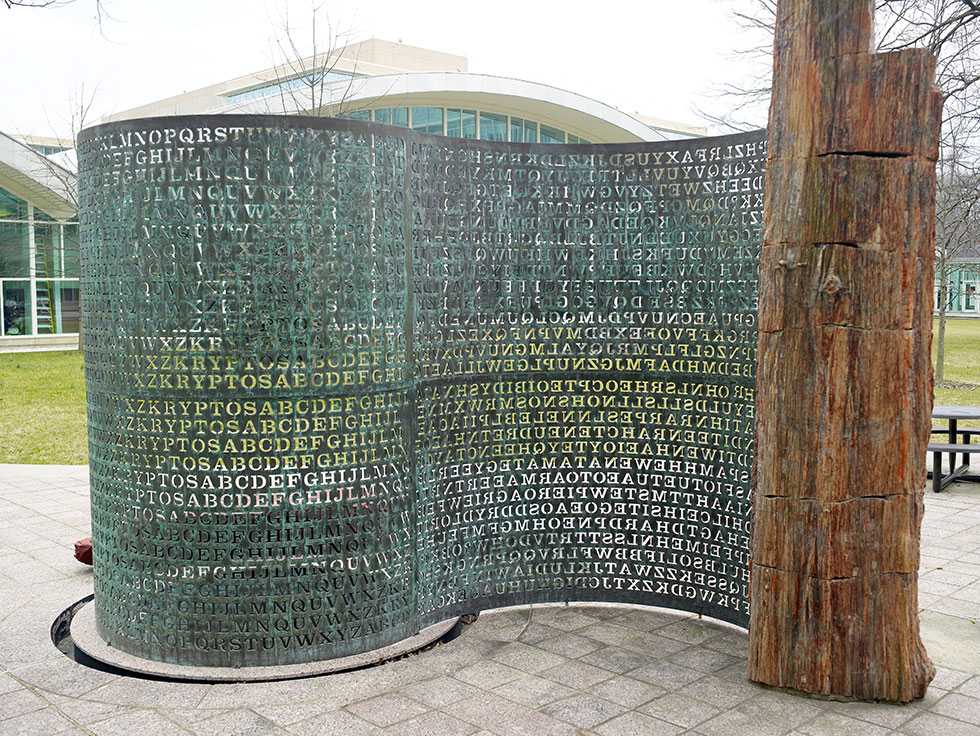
column 953, row 416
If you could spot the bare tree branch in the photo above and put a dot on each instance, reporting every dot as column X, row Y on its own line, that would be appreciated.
column 951, row 30
column 101, row 15
column 323, row 77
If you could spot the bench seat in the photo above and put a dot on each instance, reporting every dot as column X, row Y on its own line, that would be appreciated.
column 965, row 449
column 939, row 481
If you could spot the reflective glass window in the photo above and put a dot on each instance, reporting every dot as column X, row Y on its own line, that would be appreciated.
column 48, row 150
column 357, row 115
column 493, row 127
column 11, row 207
column 552, row 135
column 68, row 306
column 461, row 123
column 427, row 120
column 392, row 116
column 70, row 263
column 58, row 307
column 47, row 250
column 294, row 87
column 576, row 139
column 523, row 131
column 14, row 250
column 44, row 296
column 17, row 308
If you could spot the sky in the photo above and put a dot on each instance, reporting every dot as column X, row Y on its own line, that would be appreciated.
column 664, row 58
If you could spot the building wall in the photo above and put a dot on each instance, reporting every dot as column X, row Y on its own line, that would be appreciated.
column 39, row 270
column 963, row 290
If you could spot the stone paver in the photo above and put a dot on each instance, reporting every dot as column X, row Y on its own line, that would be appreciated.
column 582, row 670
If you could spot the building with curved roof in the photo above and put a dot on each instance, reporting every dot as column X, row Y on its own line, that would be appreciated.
column 391, row 83
column 425, row 90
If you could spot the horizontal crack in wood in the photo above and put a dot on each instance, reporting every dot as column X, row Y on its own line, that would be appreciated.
column 866, row 154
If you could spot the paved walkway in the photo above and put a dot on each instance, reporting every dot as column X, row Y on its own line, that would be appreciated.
column 575, row 671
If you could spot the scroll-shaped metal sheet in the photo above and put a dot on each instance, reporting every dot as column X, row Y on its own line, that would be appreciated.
column 346, row 380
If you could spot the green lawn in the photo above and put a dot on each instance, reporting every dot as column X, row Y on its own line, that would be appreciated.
column 42, row 408
column 962, row 380
column 42, row 397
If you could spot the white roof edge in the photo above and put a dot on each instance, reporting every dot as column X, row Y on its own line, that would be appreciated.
column 408, row 83
column 47, row 183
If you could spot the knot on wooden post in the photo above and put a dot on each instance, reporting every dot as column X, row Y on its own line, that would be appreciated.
column 831, row 285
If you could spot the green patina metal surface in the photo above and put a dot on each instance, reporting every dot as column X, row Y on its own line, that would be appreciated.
column 347, row 380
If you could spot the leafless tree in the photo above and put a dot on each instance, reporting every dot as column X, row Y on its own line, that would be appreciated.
column 309, row 76
column 957, row 228
column 78, row 116
column 63, row 174
column 951, row 30
column 100, row 10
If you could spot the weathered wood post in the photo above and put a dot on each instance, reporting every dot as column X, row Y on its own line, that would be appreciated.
column 844, row 379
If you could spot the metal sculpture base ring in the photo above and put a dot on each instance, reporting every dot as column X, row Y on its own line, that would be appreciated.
column 86, row 638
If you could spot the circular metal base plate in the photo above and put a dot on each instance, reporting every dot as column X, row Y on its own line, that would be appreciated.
column 87, row 639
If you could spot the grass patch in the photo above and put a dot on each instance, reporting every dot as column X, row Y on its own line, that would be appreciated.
column 42, row 408
column 42, row 397
column 962, row 381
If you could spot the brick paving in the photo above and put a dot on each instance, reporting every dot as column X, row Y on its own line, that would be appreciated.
column 577, row 671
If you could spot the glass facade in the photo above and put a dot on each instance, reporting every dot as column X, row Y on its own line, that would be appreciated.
column 962, row 290
column 428, row 120
column 11, row 207
column 523, row 131
column 493, row 127
column 17, row 307
column 295, row 86
column 460, row 123
column 39, row 269
column 392, row 116
column 552, row 135
column 15, row 249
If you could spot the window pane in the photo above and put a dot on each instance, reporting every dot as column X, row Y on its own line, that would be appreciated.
column 357, row 115
column 294, row 87
column 69, row 306
column 58, row 307
column 493, row 127
column 392, row 116
column 552, row 135
column 16, row 308
column 427, row 120
column 70, row 253
column 523, row 131
column 14, row 250
column 970, row 300
column 47, row 250
column 11, row 207
column 461, row 123
column 469, row 124
column 45, row 307
column 454, row 125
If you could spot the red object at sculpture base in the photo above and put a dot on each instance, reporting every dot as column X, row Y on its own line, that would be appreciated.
column 83, row 550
